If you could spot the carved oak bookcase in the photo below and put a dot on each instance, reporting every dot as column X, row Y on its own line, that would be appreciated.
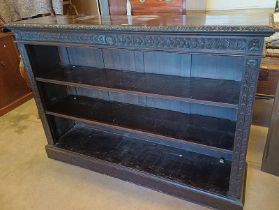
column 164, row 106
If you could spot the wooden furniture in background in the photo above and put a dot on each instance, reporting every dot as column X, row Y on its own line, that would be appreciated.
column 148, row 7
column 118, row 7
column 85, row 7
column 269, row 76
column 69, row 8
column 1, row 24
column 167, row 107
column 158, row 7
column 13, row 88
column 270, row 162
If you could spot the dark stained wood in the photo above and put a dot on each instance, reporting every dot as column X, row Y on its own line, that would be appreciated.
column 2, row 35
column 144, row 179
column 197, row 170
column 13, row 88
column 140, row 135
column 191, row 21
column 163, row 64
column 44, row 59
column 35, row 91
column 199, row 129
column 269, row 76
column 155, row 85
column 131, row 134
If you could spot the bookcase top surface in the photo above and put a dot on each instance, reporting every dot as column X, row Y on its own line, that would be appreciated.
column 194, row 23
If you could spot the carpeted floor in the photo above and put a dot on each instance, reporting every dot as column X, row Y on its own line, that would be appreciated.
column 29, row 180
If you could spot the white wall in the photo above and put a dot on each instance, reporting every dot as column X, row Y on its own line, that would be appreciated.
column 239, row 4
column 196, row 4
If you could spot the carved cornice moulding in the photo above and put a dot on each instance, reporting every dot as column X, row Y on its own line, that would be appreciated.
column 264, row 30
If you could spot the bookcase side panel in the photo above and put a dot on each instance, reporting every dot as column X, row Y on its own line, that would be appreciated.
column 36, row 93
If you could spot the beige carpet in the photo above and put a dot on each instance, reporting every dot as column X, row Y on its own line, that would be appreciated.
column 29, row 180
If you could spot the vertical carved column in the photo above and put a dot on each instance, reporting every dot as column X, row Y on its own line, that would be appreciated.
column 248, row 91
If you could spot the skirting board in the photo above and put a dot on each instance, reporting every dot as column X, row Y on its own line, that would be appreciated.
column 15, row 103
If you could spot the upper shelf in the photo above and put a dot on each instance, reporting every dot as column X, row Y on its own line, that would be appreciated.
column 192, row 23
column 223, row 93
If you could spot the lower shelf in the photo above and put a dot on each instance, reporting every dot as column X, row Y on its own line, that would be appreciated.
column 176, row 165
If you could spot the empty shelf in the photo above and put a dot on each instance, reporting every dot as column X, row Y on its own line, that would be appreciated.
column 224, row 93
column 189, row 168
column 204, row 130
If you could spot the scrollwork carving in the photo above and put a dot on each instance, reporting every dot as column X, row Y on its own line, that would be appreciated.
column 141, row 41
column 248, row 91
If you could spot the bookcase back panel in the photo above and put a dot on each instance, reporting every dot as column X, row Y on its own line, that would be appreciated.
column 56, row 91
column 49, row 58
column 170, row 120
column 81, row 56
column 218, row 67
column 43, row 58
column 126, row 60
column 166, row 63
column 129, row 60
column 177, row 106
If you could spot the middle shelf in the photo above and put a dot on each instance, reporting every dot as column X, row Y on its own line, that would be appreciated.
column 223, row 93
column 204, row 130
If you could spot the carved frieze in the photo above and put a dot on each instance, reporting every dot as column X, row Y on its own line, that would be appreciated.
column 143, row 41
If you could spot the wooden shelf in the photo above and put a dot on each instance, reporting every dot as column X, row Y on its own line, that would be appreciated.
column 223, row 93
column 184, row 167
column 210, row 131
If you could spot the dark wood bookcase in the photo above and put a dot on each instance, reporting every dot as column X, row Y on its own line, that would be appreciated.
column 163, row 106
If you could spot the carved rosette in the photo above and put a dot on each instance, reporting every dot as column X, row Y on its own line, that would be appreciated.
column 136, row 41
column 248, row 90
column 254, row 45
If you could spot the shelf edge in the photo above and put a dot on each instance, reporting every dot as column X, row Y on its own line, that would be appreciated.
column 87, row 86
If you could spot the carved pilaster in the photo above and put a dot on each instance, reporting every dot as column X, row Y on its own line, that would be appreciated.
column 248, row 90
